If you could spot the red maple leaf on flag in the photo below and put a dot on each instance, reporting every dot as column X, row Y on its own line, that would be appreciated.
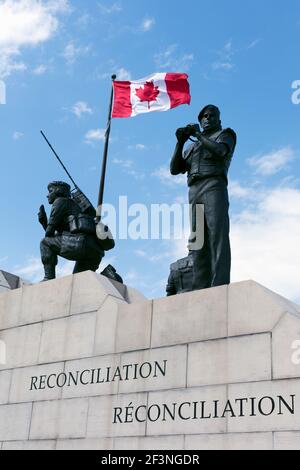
column 147, row 93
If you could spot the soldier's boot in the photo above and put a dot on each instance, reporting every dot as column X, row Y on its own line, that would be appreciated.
column 49, row 272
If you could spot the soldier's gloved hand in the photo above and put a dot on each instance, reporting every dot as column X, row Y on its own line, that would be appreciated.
column 181, row 135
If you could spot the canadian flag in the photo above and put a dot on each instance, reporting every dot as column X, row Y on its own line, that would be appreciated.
column 159, row 92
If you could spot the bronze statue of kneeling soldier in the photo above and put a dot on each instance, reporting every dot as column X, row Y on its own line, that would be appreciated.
column 70, row 232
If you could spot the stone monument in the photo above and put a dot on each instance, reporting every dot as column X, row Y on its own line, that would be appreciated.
column 9, row 281
column 88, row 363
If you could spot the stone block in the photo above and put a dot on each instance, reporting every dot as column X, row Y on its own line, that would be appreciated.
column 94, row 389
column 65, row 419
column 149, row 443
column 102, row 416
column 84, row 444
column 133, row 295
column 185, row 318
column 68, row 338
column 242, row 359
column 190, row 418
column 265, row 410
column 5, row 379
column 106, row 327
column 253, row 308
column 159, row 369
column 134, row 326
column 22, row 345
column 255, row 441
column 29, row 445
column 15, row 422
column 287, row 440
column 46, row 300
column 89, row 292
column 10, row 308
column 29, row 384
column 286, row 347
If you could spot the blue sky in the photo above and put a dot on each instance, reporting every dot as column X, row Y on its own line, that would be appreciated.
column 56, row 59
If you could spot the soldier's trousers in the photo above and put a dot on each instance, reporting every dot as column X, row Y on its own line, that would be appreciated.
column 212, row 264
column 51, row 249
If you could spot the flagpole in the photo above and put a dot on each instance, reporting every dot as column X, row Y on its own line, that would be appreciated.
column 105, row 154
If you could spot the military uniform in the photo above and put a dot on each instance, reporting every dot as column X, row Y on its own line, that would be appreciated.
column 81, row 246
column 207, row 181
column 181, row 276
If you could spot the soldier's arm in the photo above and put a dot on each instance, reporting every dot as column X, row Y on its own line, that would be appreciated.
column 221, row 148
column 56, row 217
column 42, row 216
column 178, row 164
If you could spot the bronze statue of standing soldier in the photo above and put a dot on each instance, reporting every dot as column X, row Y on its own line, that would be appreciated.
column 206, row 163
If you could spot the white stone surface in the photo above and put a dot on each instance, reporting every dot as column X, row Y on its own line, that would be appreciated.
column 10, row 308
column 15, row 422
column 62, row 419
column 86, row 322
column 46, row 300
column 255, row 441
column 89, row 292
column 286, row 347
column 5, row 378
column 22, row 383
column 187, row 426
column 253, row 308
column 29, row 445
column 133, row 295
column 97, row 389
column 106, row 327
column 242, row 359
column 68, row 338
column 22, row 345
column 274, row 422
column 195, row 316
column 174, row 368
column 287, row 440
column 84, row 444
column 149, row 443
column 134, row 326
column 101, row 416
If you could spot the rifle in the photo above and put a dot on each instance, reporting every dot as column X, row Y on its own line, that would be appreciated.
column 79, row 197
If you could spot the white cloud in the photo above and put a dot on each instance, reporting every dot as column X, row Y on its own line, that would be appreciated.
column 123, row 163
column 123, row 74
column 273, row 162
column 165, row 177
column 172, row 60
column 33, row 270
column 72, row 53
column 265, row 242
column 80, row 108
column 147, row 24
column 40, row 69
column 239, row 191
column 137, row 147
column 225, row 60
column 95, row 135
column 254, row 43
column 114, row 8
column 26, row 23
column 17, row 135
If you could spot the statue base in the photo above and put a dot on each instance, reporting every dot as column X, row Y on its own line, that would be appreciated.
column 87, row 363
